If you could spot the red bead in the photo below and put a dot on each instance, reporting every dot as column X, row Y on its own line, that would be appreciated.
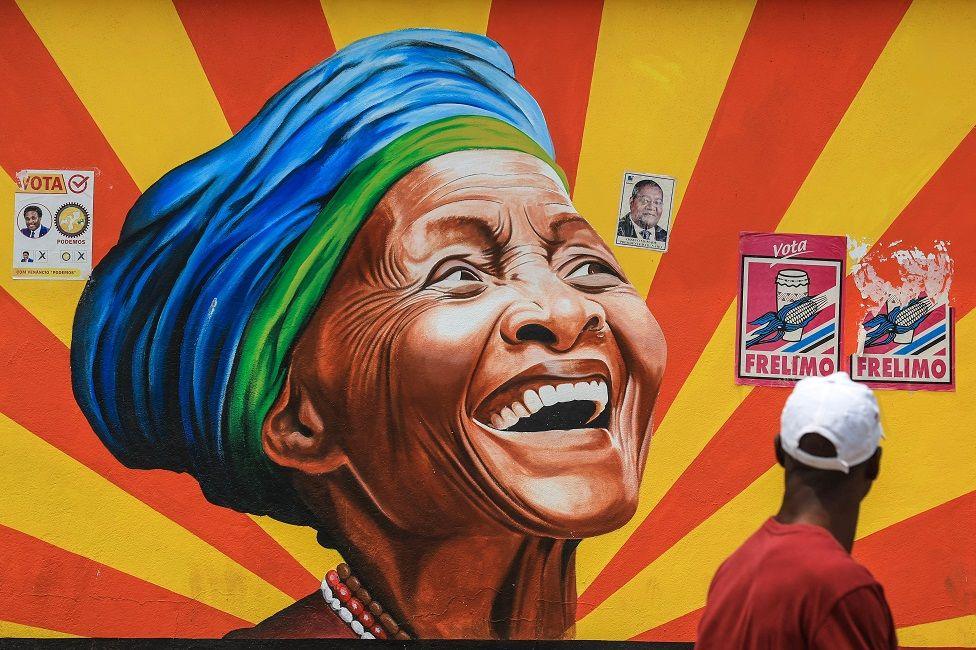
column 355, row 607
column 378, row 631
column 332, row 579
column 367, row 619
column 342, row 593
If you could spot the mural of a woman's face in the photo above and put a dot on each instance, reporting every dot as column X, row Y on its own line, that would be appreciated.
column 479, row 361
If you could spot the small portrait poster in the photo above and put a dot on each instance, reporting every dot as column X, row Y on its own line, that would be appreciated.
column 644, row 217
column 789, row 307
column 52, row 222
column 905, row 338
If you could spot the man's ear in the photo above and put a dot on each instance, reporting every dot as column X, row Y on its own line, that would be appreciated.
column 295, row 435
column 778, row 449
column 873, row 467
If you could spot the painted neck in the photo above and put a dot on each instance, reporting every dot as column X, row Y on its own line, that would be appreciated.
column 499, row 586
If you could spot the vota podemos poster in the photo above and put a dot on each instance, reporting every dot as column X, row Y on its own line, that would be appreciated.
column 789, row 307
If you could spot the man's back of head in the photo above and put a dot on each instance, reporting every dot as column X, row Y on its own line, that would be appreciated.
column 828, row 444
column 793, row 582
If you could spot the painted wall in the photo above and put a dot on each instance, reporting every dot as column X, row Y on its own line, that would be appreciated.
column 818, row 117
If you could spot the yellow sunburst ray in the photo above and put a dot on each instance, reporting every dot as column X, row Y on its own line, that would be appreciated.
column 902, row 106
column 625, row 131
column 51, row 302
column 914, row 108
column 9, row 630
column 922, row 451
column 56, row 499
column 956, row 632
column 678, row 439
column 301, row 544
column 350, row 21
column 135, row 70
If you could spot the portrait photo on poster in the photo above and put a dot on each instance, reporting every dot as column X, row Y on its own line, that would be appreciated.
column 644, row 216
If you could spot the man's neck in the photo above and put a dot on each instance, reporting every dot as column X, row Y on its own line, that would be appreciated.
column 839, row 519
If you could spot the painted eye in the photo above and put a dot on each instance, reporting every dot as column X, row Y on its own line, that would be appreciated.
column 460, row 274
column 458, row 280
column 594, row 276
column 591, row 268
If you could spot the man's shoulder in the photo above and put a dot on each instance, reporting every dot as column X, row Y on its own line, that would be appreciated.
column 813, row 556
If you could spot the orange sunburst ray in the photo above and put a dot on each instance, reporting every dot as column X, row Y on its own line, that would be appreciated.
column 825, row 60
column 251, row 50
column 566, row 38
column 740, row 451
column 32, row 351
column 53, row 588
column 914, row 580
column 798, row 69
column 44, row 124
column 926, row 562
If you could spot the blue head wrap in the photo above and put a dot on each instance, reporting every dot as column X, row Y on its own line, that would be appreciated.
column 159, row 327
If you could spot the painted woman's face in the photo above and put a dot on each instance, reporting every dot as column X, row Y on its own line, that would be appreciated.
column 480, row 361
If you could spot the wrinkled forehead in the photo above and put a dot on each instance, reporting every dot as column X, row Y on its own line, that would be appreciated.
column 485, row 197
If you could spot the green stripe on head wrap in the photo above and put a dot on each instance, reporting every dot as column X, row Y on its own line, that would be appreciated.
column 294, row 295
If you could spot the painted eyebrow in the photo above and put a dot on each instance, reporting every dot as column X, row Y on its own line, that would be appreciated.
column 480, row 224
column 563, row 218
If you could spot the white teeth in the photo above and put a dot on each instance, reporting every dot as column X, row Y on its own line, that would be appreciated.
column 565, row 393
column 508, row 418
column 532, row 401
column 548, row 395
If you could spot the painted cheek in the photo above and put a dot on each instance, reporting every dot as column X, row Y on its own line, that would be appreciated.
column 440, row 350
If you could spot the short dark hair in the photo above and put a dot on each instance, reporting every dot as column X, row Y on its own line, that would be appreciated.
column 821, row 481
column 35, row 209
column 26, row 253
column 639, row 185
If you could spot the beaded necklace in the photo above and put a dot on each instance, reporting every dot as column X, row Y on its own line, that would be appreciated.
column 346, row 596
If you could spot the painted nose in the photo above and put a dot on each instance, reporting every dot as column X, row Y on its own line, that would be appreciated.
column 554, row 315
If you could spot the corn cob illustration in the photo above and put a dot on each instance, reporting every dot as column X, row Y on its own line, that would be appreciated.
column 791, row 317
column 897, row 321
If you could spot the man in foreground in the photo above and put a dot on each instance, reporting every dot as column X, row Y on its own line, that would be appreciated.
column 793, row 583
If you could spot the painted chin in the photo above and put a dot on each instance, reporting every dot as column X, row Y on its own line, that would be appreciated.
column 556, row 467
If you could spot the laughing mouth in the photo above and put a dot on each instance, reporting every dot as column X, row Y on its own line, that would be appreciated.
column 530, row 404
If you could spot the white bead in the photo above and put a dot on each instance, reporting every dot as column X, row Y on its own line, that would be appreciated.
column 335, row 604
column 366, row 635
column 357, row 627
column 326, row 591
column 345, row 615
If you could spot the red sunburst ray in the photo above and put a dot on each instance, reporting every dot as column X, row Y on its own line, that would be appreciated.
column 797, row 71
column 52, row 414
column 49, row 587
column 43, row 124
column 250, row 50
column 741, row 450
column 564, row 39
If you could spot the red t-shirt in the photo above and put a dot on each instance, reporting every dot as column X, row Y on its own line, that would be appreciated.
column 794, row 586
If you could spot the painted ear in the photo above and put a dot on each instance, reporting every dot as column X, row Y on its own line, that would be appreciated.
column 294, row 434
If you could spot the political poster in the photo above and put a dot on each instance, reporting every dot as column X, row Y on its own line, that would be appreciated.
column 644, row 215
column 905, row 337
column 52, row 222
column 788, row 323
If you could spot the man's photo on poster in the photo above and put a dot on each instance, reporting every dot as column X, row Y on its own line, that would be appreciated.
column 33, row 223
column 644, row 218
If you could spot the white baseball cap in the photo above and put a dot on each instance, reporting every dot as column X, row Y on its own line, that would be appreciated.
column 842, row 411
